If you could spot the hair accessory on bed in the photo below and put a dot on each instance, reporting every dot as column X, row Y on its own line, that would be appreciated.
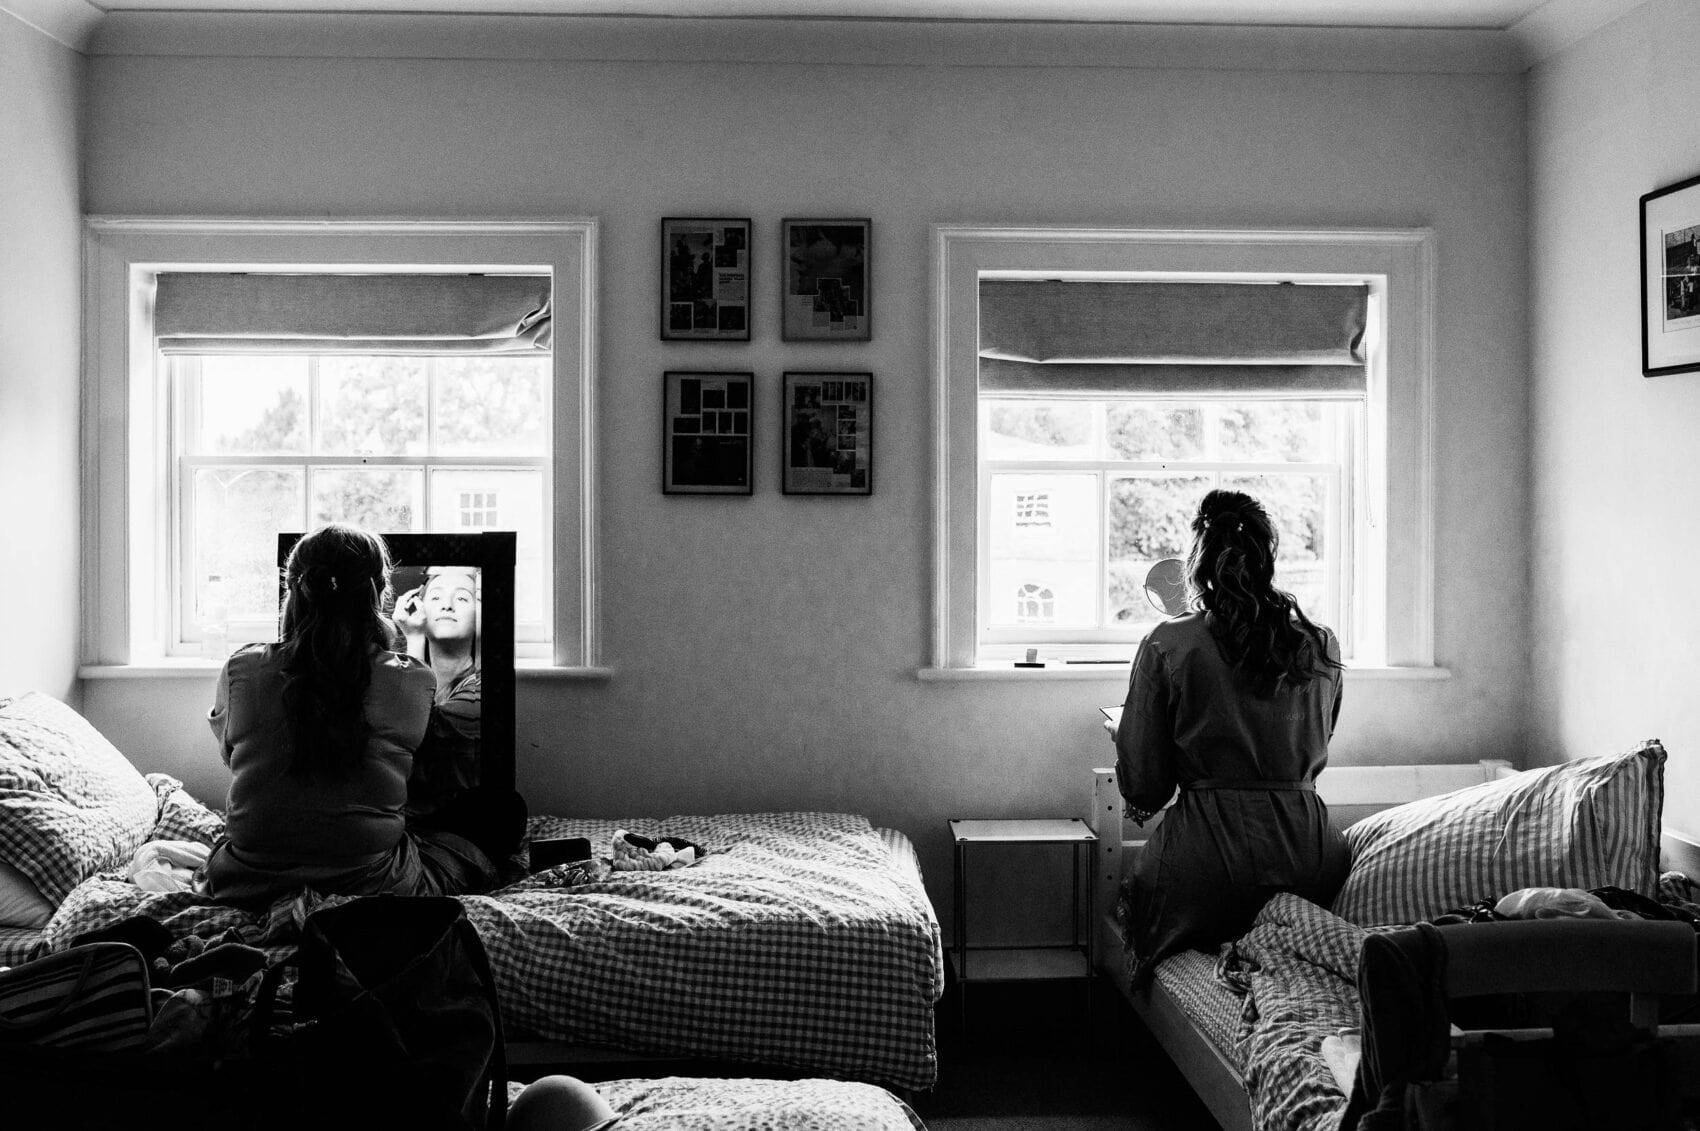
column 634, row 853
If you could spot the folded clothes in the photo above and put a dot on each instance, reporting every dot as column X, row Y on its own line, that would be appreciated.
column 633, row 853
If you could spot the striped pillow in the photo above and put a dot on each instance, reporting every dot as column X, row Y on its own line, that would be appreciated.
column 1581, row 824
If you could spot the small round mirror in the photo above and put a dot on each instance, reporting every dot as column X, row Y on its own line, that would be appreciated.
column 1165, row 587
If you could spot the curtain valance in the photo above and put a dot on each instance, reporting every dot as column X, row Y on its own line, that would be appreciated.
column 208, row 312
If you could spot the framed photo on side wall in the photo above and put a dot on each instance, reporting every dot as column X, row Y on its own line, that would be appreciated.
column 1670, row 279
column 827, row 289
column 707, row 434
column 705, row 280
column 828, row 445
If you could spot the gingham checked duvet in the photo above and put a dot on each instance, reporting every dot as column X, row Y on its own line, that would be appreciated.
column 794, row 942
column 1299, row 964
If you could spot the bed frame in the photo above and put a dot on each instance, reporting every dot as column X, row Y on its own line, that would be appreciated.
column 1351, row 792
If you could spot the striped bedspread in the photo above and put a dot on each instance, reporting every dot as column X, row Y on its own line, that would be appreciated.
column 795, row 942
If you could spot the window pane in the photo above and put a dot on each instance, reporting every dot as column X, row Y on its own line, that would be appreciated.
column 1044, row 551
column 492, row 405
column 1290, row 431
column 1150, row 519
column 238, row 514
column 1297, row 505
column 384, row 500
column 1036, row 430
column 470, row 501
column 1155, row 431
column 372, row 405
column 248, row 405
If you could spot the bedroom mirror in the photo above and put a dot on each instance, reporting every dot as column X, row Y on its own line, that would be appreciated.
column 451, row 602
column 1165, row 587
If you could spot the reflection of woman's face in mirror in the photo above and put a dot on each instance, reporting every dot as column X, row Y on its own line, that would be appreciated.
column 451, row 604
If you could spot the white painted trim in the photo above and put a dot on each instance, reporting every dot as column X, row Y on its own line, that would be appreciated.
column 765, row 40
column 124, row 530
column 1403, row 502
column 70, row 22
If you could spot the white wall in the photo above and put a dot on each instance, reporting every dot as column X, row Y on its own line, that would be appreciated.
column 766, row 647
column 1615, row 455
column 40, row 342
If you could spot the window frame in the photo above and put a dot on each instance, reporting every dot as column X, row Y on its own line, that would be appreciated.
column 130, row 613
column 1395, row 584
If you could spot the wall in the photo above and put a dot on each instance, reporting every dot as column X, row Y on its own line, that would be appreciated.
column 40, row 344
column 765, row 648
column 1615, row 632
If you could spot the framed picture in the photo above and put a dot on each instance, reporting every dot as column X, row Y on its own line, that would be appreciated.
column 1670, row 279
column 705, row 280
column 707, row 433
column 828, row 446
column 471, row 651
column 827, row 294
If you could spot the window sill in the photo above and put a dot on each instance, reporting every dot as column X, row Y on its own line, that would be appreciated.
column 194, row 667
column 1006, row 673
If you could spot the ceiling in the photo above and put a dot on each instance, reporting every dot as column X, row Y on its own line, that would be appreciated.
column 1547, row 23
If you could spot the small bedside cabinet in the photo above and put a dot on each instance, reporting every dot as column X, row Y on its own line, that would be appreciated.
column 1028, row 963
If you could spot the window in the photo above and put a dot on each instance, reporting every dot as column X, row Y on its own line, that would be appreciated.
column 1128, row 474
column 211, row 436
column 1340, row 456
column 398, row 443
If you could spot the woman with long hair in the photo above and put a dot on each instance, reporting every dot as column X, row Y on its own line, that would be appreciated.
column 1232, row 704
column 319, row 731
column 439, row 622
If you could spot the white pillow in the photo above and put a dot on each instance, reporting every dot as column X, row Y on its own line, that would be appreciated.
column 1590, row 823
column 70, row 804
column 21, row 904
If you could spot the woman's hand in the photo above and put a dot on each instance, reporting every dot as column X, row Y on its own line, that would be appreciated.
column 410, row 620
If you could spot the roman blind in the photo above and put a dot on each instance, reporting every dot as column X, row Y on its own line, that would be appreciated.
column 1067, row 338
column 211, row 312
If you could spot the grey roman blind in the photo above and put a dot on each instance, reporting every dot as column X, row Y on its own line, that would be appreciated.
column 208, row 312
column 1058, row 338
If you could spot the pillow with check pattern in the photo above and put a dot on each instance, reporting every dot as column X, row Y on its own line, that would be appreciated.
column 70, row 804
column 1588, row 823
column 181, row 815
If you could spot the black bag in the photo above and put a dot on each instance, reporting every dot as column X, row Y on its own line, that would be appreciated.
column 394, row 1015
column 392, row 1022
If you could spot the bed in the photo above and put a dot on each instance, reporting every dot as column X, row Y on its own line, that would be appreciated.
column 1249, row 1026
column 800, row 942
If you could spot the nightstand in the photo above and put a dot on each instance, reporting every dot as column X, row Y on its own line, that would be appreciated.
column 1028, row 963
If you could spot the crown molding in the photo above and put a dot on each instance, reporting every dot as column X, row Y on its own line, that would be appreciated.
column 1559, row 24
column 70, row 22
column 930, row 43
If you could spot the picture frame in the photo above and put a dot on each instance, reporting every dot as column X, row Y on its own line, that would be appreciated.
column 707, row 433
column 827, row 280
column 827, row 447
column 1670, row 279
column 489, row 555
column 705, row 279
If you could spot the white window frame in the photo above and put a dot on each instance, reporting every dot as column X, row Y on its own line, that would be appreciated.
column 1396, row 583
column 129, row 608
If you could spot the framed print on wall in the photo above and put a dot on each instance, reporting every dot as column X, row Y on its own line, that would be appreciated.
column 828, row 445
column 827, row 291
column 706, row 433
column 1670, row 279
column 705, row 280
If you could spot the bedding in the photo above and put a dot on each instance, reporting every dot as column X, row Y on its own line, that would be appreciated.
column 1592, row 822
column 753, row 1105
column 70, row 804
column 796, row 941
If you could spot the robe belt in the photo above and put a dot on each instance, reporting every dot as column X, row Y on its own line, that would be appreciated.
column 1251, row 784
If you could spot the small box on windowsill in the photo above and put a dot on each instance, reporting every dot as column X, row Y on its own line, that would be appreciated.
column 1032, row 660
